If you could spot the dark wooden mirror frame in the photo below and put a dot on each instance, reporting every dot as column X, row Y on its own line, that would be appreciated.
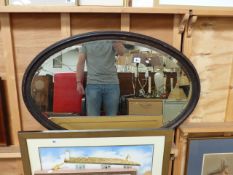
column 111, row 35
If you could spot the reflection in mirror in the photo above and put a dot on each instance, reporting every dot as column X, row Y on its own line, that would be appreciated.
column 151, row 82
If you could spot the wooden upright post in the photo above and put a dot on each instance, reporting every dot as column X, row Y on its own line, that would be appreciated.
column 11, row 79
column 176, row 33
column 229, row 108
column 2, row 3
column 125, row 22
column 65, row 25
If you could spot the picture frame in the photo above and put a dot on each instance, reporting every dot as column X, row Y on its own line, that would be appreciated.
column 96, row 152
column 57, row 62
column 210, row 155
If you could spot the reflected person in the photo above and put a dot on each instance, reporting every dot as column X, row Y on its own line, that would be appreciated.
column 102, row 79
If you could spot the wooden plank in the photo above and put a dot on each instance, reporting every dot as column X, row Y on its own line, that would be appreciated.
column 12, row 94
column 82, row 23
column 229, row 108
column 114, row 171
column 212, row 11
column 65, row 25
column 93, row 9
column 2, row 60
column 11, row 166
column 176, row 34
column 177, row 160
column 10, row 149
column 29, row 40
column 2, row 2
column 187, row 43
column 10, row 152
column 200, row 11
column 9, row 155
column 205, row 127
column 77, row 123
column 157, row 26
column 107, row 119
column 211, row 53
column 125, row 22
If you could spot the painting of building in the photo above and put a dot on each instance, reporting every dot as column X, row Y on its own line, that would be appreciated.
column 130, row 160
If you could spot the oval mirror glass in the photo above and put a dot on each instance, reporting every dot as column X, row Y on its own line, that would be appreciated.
column 109, row 78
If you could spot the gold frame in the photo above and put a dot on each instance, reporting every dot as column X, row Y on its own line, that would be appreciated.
column 24, row 136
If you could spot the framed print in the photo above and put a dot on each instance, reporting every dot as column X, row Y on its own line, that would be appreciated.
column 134, row 152
column 217, row 163
column 210, row 156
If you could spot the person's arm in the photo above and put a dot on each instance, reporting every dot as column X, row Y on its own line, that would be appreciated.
column 80, row 73
column 119, row 48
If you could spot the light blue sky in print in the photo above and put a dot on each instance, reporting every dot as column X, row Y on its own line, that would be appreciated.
column 142, row 154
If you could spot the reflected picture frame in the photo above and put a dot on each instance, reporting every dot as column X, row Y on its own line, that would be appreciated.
column 57, row 62
column 100, row 151
column 209, row 155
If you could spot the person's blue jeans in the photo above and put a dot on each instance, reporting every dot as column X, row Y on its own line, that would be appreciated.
column 106, row 94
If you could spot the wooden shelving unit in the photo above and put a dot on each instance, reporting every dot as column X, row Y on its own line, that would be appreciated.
column 167, row 23
column 10, row 152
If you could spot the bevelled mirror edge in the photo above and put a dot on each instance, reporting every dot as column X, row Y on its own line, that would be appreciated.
column 111, row 35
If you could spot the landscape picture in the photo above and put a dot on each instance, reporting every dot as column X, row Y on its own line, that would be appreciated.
column 217, row 164
column 120, row 159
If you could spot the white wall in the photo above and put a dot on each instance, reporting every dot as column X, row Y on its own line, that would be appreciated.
column 69, row 62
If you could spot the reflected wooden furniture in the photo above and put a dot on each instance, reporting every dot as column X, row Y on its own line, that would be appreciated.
column 42, row 91
column 197, row 130
column 171, row 108
column 145, row 106
column 126, row 80
column 117, row 122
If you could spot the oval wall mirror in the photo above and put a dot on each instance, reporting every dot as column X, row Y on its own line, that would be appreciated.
column 156, row 82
